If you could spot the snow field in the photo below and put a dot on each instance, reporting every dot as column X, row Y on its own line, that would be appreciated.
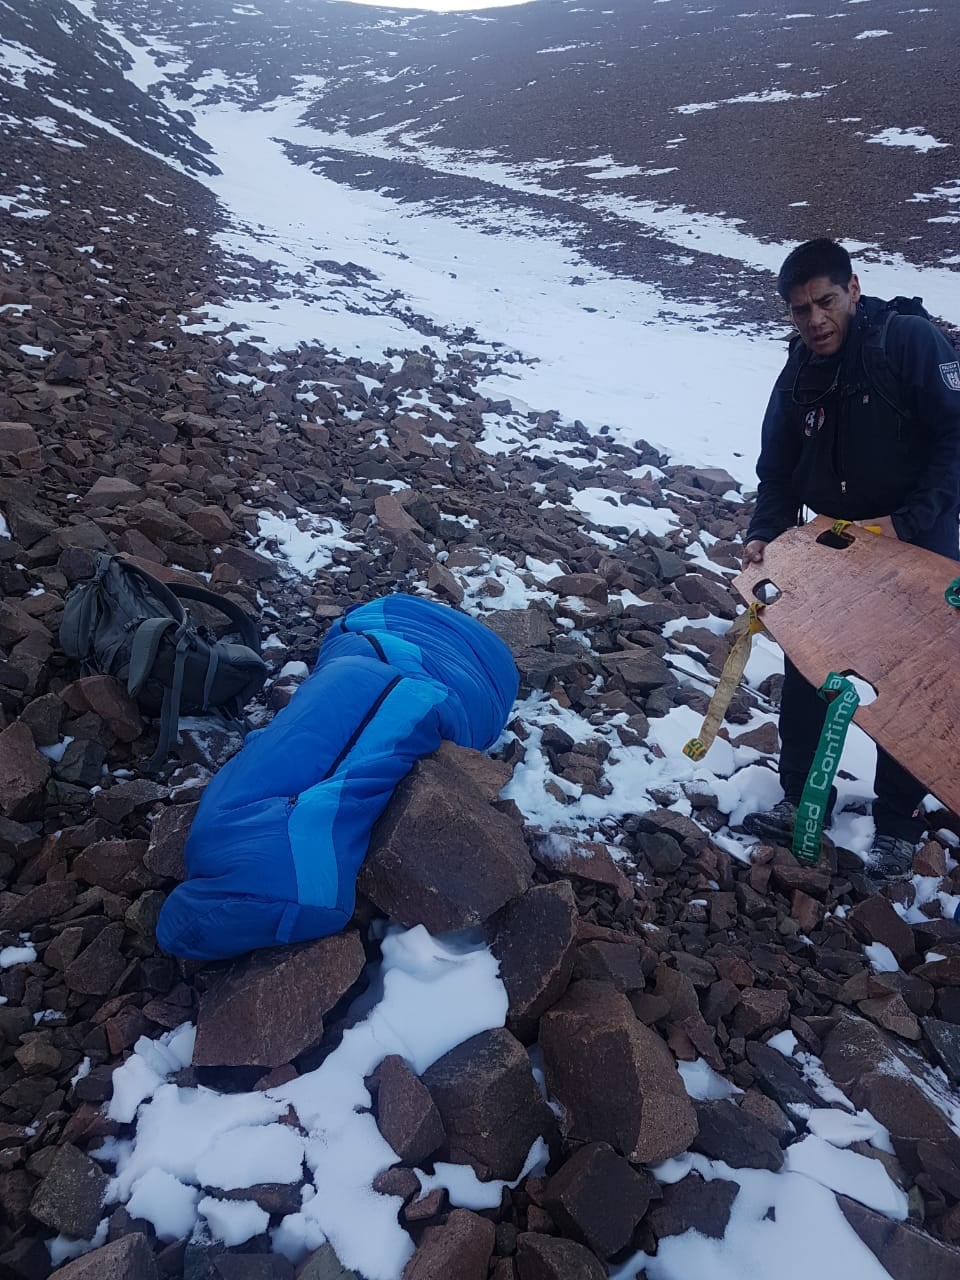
column 190, row 1143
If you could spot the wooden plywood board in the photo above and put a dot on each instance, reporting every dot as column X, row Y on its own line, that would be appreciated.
column 875, row 608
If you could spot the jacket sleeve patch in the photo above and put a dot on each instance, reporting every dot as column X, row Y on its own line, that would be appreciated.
column 950, row 373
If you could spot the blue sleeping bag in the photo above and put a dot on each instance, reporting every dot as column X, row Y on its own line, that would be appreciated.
column 273, row 853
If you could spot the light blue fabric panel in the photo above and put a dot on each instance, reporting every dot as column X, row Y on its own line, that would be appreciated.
column 340, row 812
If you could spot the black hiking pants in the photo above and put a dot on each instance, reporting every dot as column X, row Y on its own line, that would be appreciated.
column 802, row 713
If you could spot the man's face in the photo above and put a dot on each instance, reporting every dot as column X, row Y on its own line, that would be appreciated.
column 822, row 312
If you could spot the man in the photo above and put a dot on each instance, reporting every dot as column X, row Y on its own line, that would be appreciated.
column 863, row 425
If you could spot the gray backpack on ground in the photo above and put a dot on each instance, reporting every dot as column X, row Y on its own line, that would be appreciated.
column 127, row 624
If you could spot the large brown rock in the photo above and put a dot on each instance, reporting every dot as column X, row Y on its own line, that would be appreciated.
column 489, row 776
column 598, row 1198
column 739, row 1139
column 460, row 1248
column 891, row 1012
column 18, row 438
column 116, row 865
column 112, row 491
column 614, row 1076
column 267, row 1008
column 44, row 902
column 440, row 855
column 488, row 1100
column 760, row 1010
column 28, row 525
column 684, row 1021
column 406, row 1114
column 158, row 522
column 534, row 937
column 129, row 1258
column 212, row 523
column 711, row 479
column 443, row 584
column 17, row 841
column 587, row 859
column 619, row 963
column 521, row 628
column 898, row 1086
column 695, row 588
column 944, row 1039
column 107, row 699
column 854, row 1047
column 588, row 586
column 251, row 566
column 391, row 516
column 758, row 1106
column 908, row 1112
column 16, row 625
column 23, row 773
column 542, row 1257
column 788, row 874
column 98, row 966
column 118, row 802
column 168, row 836
column 324, row 1264
column 780, row 1078
column 693, row 1204
column 904, row 1252
column 70, row 1197
column 874, row 920
column 679, row 992
column 641, row 670
column 942, row 973
column 669, row 822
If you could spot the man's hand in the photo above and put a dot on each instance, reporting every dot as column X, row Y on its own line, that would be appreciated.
column 753, row 551
column 885, row 525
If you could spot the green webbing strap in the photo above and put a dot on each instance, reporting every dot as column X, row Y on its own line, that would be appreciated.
column 952, row 593
column 843, row 700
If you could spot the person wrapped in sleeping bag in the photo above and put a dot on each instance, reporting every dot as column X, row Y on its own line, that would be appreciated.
column 280, row 834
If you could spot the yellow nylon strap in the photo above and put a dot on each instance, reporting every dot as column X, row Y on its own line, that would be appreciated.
column 745, row 628
column 838, row 527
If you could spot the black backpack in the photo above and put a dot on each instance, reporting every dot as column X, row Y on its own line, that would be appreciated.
column 875, row 362
column 127, row 624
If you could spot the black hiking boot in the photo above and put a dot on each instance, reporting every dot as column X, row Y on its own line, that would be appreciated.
column 774, row 824
column 890, row 859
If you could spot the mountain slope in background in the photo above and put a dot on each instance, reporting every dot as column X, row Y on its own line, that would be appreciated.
column 57, row 55
column 636, row 132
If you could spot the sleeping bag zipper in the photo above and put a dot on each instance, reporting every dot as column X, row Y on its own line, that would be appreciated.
column 352, row 740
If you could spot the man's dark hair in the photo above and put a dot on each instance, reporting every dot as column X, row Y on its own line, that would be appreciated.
column 814, row 258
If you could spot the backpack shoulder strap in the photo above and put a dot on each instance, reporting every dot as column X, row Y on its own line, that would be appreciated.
column 170, row 710
column 786, row 378
column 144, row 649
column 875, row 362
column 241, row 620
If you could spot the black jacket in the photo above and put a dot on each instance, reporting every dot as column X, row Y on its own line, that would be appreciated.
column 855, row 451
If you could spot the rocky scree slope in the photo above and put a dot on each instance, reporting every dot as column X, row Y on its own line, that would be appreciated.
column 623, row 950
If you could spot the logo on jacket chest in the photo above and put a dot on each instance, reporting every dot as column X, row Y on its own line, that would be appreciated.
column 814, row 420
column 950, row 373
